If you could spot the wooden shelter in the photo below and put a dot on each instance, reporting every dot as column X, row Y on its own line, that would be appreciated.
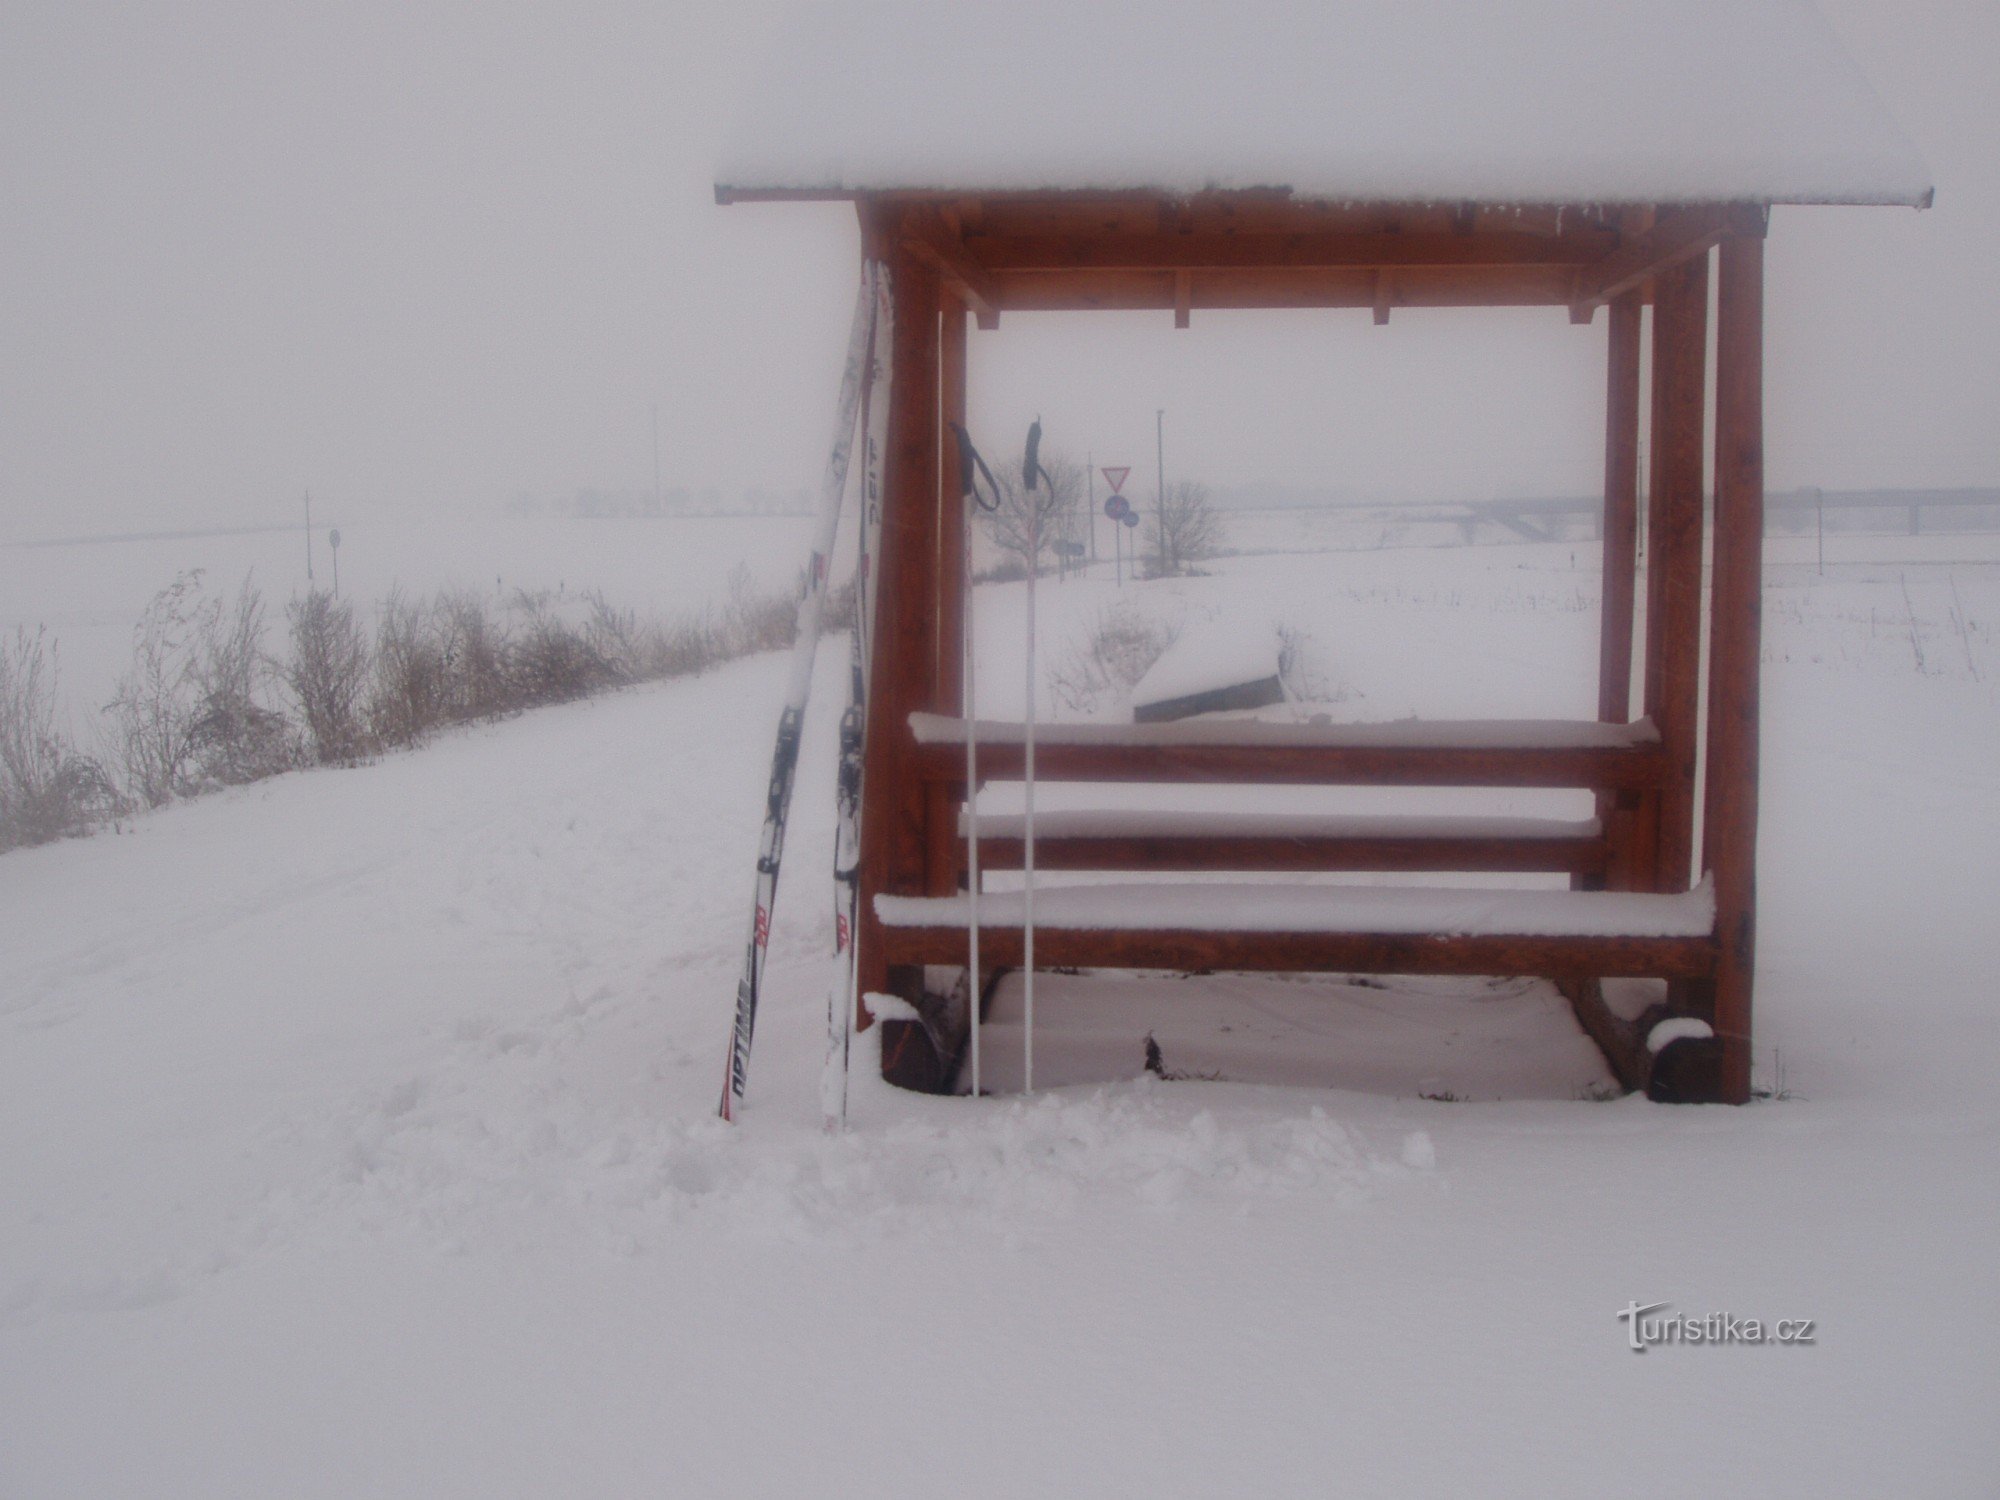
column 1616, row 164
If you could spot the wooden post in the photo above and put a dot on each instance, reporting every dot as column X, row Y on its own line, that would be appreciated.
column 1619, row 530
column 1729, row 837
column 1621, row 513
column 1673, row 573
column 948, row 679
column 901, row 675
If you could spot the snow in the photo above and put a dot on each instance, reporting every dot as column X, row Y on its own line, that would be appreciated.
column 1404, row 1036
column 1261, row 907
column 1677, row 1029
column 1210, row 654
column 359, row 1131
column 1402, row 734
column 1537, row 101
column 1179, row 823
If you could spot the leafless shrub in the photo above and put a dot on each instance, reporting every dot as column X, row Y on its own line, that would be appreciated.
column 1182, row 529
column 328, row 673
column 191, row 714
column 752, row 621
column 152, row 711
column 237, row 737
column 842, row 608
column 553, row 661
column 48, row 790
column 409, row 696
column 1101, row 669
column 475, row 651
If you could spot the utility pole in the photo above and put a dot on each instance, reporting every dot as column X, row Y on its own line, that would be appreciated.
column 1160, row 460
column 309, row 540
column 1090, row 512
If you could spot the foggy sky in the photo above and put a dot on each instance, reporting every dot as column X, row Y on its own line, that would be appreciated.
column 419, row 256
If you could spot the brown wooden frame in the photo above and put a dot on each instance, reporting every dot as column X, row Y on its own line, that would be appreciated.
column 982, row 255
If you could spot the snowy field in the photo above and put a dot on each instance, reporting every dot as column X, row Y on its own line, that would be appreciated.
column 360, row 1139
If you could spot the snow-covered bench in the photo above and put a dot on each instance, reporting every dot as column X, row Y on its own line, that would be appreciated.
column 1622, row 758
column 1412, row 752
column 1358, row 929
column 1183, row 840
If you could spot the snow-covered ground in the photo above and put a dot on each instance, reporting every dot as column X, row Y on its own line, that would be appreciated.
column 359, row 1140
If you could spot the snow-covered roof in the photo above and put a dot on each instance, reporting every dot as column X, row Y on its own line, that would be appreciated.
column 1527, row 101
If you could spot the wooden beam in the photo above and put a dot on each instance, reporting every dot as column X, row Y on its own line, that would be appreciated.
column 1677, row 237
column 1216, row 290
column 1384, row 296
column 1183, row 298
column 1735, row 634
column 1303, row 251
column 1313, row 952
column 1674, row 546
column 1635, row 766
column 927, row 236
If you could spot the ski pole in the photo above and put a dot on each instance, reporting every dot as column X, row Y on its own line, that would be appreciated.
column 1031, row 467
column 970, row 464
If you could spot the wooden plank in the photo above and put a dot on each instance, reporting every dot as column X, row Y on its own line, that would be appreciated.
column 1314, row 952
column 1244, row 852
column 1589, row 767
column 901, row 678
column 1621, row 513
column 1678, row 237
column 1735, row 644
column 1674, row 566
column 1098, row 250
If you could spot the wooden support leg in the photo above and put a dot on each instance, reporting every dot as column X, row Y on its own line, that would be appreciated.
column 1729, row 833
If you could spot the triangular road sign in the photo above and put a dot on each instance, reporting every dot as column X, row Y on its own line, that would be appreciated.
column 1117, row 477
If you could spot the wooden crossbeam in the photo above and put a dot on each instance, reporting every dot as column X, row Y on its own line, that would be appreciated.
column 1677, row 237
column 1083, row 290
column 931, row 240
column 1128, row 251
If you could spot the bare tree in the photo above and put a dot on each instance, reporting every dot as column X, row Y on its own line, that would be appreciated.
column 1056, row 508
column 1185, row 527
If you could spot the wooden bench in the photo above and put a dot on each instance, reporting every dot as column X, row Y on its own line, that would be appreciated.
column 1576, row 938
column 1336, row 928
